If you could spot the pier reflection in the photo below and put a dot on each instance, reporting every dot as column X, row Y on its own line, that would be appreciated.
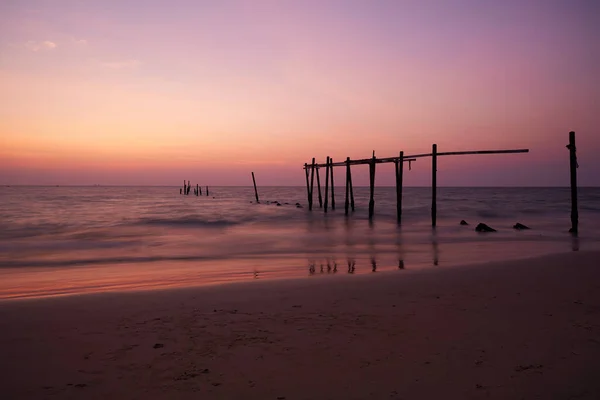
column 575, row 243
column 435, row 246
column 399, row 248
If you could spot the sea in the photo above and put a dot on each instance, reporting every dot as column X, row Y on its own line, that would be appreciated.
column 75, row 240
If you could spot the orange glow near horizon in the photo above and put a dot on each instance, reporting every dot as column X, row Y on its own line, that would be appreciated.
column 100, row 90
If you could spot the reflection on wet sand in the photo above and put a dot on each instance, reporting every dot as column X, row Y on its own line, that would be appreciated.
column 399, row 247
column 376, row 254
column 351, row 266
column 376, row 246
column 372, row 247
column 436, row 252
column 575, row 243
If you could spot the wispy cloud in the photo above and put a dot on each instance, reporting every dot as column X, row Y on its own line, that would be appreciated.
column 126, row 64
column 40, row 46
column 81, row 42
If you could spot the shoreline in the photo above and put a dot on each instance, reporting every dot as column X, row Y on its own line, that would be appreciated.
column 44, row 282
column 517, row 329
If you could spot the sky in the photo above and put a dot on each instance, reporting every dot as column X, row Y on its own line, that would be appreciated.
column 147, row 92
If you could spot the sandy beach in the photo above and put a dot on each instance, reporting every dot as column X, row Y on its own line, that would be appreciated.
column 510, row 330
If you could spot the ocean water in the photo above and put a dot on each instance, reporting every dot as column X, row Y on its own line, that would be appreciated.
column 63, row 240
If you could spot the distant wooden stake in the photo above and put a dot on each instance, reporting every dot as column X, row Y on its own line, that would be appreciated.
column 573, row 164
column 200, row 188
column 434, row 185
column 347, row 201
column 326, row 184
column 312, row 184
column 197, row 189
column 255, row 190
column 319, row 189
column 372, row 187
column 332, row 190
column 207, row 190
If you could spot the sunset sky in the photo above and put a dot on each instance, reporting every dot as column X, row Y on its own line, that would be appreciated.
column 152, row 92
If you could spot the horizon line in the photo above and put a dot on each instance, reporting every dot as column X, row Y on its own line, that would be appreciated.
column 294, row 186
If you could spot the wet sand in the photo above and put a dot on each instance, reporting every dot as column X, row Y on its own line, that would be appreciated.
column 511, row 330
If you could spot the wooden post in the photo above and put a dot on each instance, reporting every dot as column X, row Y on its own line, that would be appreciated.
column 312, row 184
column 200, row 191
column 332, row 190
column 372, row 187
column 319, row 189
column 573, row 166
column 326, row 184
column 189, row 188
column 197, row 187
column 351, row 188
column 434, row 185
column 207, row 190
column 347, row 202
column 399, row 184
column 307, row 183
column 255, row 190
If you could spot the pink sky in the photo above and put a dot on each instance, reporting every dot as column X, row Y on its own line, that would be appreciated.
column 152, row 92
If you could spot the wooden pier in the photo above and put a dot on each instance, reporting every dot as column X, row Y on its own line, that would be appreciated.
column 372, row 162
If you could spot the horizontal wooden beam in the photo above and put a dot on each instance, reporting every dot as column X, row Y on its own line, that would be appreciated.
column 415, row 156
column 359, row 162
column 462, row 153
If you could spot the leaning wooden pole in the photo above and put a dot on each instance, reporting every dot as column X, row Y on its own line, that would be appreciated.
column 319, row 189
column 326, row 184
column 312, row 185
column 347, row 201
column 332, row 190
column 573, row 164
column 434, row 185
column 255, row 190
column 372, row 187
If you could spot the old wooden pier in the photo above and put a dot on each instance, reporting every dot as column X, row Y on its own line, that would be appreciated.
column 399, row 161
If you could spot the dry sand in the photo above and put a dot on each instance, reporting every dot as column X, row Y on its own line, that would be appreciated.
column 518, row 330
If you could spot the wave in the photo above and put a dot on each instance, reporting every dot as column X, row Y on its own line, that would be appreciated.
column 31, row 230
column 188, row 222
column 96, row 261
column 489, row 214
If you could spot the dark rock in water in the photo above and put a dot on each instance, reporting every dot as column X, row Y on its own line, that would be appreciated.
column 278, row 204
column 463, row 222
column 298, row 206
column 286, row 203
column 518, row 226
column 484, row 228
